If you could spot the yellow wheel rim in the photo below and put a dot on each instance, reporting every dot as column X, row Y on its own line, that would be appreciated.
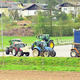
column 51, row 45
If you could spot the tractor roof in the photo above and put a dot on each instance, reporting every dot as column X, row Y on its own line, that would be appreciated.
column 18, row 43
column 44, row 34
column 16, row 39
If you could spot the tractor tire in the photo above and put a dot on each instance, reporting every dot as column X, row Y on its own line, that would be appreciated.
column 46, row 54
column 36, row 52
column 51, row 44
column 7, row 51
column 32, row 47
column 53, row 54
column 73, row 53
column 14, row 52
column 27, row 54
column 20, row 53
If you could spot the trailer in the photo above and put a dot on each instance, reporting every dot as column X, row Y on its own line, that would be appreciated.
column 75, row 51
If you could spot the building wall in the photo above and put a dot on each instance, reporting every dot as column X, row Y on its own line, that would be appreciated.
column 24, row 13
column 19, row 5
column 30, row 12
column 68, row 9
column 5, row 11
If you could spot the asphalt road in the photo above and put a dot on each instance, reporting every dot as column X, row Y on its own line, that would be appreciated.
column 61, row 51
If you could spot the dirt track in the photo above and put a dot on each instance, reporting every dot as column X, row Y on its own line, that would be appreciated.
column 38, row 75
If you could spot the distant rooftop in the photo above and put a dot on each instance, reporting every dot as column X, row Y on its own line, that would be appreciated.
column 3, row 5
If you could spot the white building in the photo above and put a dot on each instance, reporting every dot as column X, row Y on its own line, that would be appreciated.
column 72, row 7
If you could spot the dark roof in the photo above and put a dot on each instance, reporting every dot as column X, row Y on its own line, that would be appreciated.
column 66, row 4
column 4, row 5
column 69, row 4
column 28, row 5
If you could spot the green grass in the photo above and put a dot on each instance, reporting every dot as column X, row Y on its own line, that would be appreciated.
column 30, row 39
column 1, row 50
column 36, row 63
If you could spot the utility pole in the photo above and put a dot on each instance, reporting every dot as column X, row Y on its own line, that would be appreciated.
column 2, row 32
column 1, row 25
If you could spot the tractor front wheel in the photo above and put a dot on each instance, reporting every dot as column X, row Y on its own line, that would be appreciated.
column 51, row 44
column 20, row 53
column 73, row 53
column 36, row 52
column 46, row 54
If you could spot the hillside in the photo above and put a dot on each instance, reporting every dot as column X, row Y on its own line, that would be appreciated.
column 22, row 31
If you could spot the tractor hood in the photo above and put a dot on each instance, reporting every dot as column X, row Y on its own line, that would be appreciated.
column 48, row 49
column 25, row 49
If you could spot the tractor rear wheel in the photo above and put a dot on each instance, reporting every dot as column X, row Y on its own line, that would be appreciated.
column 36, row 52
column 53, row 54
column 46, row 54
column 14, row 52
column 51, row 44
column 7, row 51
column 27, row 54
column 73, row 53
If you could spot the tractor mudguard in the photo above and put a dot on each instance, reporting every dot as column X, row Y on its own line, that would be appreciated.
column 37, row 48
column 49, row 40
column 75, row 50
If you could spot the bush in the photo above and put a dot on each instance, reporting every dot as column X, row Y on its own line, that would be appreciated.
column 76, row 20
column 20, row 18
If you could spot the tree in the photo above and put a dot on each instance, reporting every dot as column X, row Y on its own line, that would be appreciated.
column 63, row 16
column 79, row 18
column 51, row 7
column 39, row 21
column 16, row 15
column 11, row 14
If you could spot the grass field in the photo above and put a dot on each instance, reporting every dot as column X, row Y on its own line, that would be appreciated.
column 40, row 63
column 31, row 39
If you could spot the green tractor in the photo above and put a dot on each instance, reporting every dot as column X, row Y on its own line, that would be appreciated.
column 46, row 38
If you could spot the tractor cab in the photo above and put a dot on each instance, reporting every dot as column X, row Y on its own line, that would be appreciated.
column 19, row 44
column 44, row 37
column 41, row 44
column 14, row 40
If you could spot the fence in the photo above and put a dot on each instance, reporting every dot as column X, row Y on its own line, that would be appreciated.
column 67, row 41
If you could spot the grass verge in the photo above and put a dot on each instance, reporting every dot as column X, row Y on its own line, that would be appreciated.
column 31, row 39
column 40, row 63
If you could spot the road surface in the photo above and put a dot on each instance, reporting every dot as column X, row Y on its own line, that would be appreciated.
column 61, row 51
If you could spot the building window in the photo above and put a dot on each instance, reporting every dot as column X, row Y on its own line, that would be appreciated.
column 34, row 12
column 65, row 8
